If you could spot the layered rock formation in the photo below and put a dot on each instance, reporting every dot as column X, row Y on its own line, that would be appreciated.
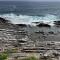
column 28, row 39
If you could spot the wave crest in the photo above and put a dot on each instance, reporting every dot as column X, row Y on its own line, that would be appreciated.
column 25, row 19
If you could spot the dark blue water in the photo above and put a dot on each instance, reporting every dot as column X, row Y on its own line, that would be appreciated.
column 29, row 11
column 30, row 8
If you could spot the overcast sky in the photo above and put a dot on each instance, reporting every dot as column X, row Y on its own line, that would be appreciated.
column 29, row 0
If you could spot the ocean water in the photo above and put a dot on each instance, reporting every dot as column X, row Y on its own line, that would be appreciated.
column 27, row 12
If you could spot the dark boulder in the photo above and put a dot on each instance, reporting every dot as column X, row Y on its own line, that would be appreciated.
column 51, row 32
column 57, row 23
column 2, row 20
column 43, row 25
column 40, row 32
column 36, row 22
column 22, row 25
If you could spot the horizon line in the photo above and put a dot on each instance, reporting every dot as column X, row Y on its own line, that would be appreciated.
column 30, row 1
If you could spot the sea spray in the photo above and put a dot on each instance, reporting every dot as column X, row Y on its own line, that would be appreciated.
column 25, row 19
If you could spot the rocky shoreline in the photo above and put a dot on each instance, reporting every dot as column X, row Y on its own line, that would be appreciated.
column 29, row 39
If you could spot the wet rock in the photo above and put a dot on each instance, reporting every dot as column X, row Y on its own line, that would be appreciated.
column 39, row 32
column 36, row 22
column 51, row 32
column 2, row 20
column 22, row 25
column 57, row 23
column 43, row 25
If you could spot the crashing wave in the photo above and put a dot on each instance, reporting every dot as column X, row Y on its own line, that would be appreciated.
column 25, row 19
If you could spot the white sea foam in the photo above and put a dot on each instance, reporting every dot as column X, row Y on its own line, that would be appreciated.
column 25, row 19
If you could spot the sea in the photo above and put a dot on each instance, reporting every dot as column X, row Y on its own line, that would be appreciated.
column 26, row 12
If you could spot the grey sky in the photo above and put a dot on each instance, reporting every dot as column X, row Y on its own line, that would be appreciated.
column 29, row 0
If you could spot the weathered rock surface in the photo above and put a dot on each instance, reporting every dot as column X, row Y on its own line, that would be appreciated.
column 29, row 39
